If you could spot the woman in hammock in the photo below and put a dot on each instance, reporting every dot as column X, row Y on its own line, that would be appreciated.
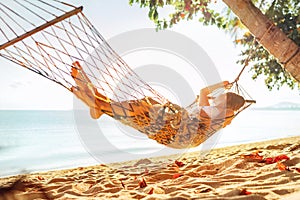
column 168, row 124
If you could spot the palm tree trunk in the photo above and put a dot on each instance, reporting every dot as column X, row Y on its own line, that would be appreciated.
column 271, row 37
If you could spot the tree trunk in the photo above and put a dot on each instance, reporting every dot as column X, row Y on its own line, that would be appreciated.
column 270, row 36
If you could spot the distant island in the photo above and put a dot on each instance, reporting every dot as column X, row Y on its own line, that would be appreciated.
column 285, row 105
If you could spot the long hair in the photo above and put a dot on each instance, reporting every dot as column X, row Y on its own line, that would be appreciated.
column 234, row 101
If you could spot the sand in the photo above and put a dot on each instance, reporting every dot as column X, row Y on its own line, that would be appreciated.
column 222, row 174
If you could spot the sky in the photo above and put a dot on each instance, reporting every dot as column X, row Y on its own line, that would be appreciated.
column 23, row 89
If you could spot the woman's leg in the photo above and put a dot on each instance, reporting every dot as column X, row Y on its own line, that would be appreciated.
column 100, row 104
column 88, row 93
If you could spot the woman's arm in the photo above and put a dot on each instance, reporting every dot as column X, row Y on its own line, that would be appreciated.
column 203, row 97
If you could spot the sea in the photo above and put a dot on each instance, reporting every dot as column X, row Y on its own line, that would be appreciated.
column 35, row 140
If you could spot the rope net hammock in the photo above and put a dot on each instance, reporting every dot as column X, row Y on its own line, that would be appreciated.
column 55, row 40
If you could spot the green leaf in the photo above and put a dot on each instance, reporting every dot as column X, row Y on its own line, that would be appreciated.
column 160, row 3
column 155, row 15
column 150, row 14
column 284, row 13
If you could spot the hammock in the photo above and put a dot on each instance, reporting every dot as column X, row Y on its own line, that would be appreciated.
column 52, row 38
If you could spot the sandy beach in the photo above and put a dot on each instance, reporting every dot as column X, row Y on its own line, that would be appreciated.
column 264, row 170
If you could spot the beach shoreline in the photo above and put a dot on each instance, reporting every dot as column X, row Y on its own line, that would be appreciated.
column 224, row 173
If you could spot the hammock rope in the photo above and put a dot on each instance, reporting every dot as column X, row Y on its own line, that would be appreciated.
column 55, row 40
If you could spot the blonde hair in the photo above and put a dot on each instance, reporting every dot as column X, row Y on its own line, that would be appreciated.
column 234, row 101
